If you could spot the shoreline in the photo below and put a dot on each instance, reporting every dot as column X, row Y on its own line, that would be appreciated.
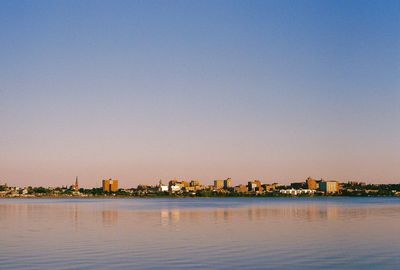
column 191, row 197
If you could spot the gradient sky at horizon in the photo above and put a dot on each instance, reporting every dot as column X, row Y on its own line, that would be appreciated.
column 148, row 90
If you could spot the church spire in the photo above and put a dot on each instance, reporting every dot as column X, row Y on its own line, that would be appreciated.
column 76, row 183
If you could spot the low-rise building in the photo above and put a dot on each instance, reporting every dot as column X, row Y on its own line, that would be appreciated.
column 268, row 187
column 241, row 189
column 194, row 183
column 296, row 192
column 175, row 188
column 163, row 188
column 254, row 186
column 298, row 185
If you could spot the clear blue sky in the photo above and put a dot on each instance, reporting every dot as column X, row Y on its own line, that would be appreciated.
column 143, row 90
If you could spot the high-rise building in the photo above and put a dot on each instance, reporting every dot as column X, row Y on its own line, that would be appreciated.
column 312, row 184
column 227, row 183
column 329, row 186
column 218, row 184
column 110, row 185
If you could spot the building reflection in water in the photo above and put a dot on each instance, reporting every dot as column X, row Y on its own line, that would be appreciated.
column 109, row 217
column 169, row 216
column 255, row 213
column 224, row 214
column 75, row 216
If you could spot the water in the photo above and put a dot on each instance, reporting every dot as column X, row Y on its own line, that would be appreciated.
column 222, row 233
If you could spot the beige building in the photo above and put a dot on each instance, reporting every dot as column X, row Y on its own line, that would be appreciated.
column 218, row 184
column 268, row 188
column 110, row 185
column 329, row 186
column 194, row 183
column 227, row 183
column 255, row 186
column 241, row 189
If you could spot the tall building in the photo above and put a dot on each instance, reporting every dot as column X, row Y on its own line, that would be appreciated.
column 329, row 186
column 227, row 183
column 218, row 184
column 110, row 185
column 312, row 183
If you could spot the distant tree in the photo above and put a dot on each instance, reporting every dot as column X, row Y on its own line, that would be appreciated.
column 97, row 191
column 41, row 190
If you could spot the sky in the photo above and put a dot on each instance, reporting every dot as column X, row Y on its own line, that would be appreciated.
column 149, row 90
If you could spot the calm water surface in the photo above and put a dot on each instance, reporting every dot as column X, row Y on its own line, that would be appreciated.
column 250, row 233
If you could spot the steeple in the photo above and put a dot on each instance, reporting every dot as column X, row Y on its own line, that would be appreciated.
column 76, row 184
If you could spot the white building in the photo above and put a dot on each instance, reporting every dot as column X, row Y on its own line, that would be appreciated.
column 163, row 188
column 175, row 188
column 296, row 192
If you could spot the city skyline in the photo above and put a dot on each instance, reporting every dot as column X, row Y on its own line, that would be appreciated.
column 99, row 183
column 271, row 90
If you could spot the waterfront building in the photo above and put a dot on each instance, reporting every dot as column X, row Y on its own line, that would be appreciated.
column 312, row 183
column 329, row 187
column 24, row 191
column 175, row 188
column 185, row 184
column 356, row 183
column 254, row 186
column 296, row 192
column 274, row 186
column 298, row 185
column 110, row 185
column 218, row 184
column 190, row 189
column 173, row 182
column 268, row 188
column 241, row 189
column 162, row 187
column 175, row 185
column 227, row 183
column 194, row 183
